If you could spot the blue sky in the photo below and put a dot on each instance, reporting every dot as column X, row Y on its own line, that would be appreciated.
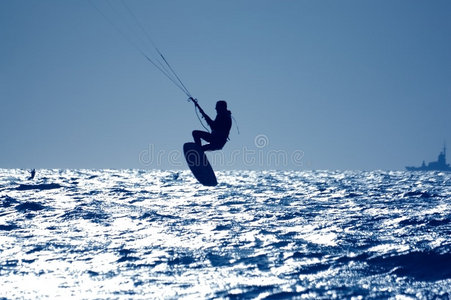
column 319, row 84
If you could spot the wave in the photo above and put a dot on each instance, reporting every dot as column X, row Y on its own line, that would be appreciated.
column 423, row 266
column 30, row 206
column 267, row 235
column 41, row 187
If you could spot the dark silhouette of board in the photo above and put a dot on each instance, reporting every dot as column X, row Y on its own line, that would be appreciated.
column 198, row 163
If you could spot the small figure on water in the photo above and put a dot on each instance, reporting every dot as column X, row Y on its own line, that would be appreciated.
column 32, row 174
column 220, row 127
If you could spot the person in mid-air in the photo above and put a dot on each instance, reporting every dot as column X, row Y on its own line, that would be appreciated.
column 220, row 127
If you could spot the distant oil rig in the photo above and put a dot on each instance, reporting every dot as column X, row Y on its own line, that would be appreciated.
column 439, row 165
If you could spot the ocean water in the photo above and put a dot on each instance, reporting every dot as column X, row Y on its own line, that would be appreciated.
column 121, row 234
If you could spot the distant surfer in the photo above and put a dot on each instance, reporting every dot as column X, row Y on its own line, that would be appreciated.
column 220, row 127
column 32, row 174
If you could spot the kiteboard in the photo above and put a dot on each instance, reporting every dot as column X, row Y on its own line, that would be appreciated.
column 198, row 163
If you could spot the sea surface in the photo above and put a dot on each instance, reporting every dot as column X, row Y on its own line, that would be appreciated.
column 143, row 234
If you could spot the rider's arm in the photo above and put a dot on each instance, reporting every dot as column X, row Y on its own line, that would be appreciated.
column 206, row 117
column 209, row 120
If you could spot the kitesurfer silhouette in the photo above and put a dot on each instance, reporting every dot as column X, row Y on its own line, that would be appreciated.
column 220, row 127
column 32, row 174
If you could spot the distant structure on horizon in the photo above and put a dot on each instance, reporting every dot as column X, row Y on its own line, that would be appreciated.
column 439, row 165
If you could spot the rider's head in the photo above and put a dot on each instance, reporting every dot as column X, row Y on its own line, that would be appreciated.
column 221, row 106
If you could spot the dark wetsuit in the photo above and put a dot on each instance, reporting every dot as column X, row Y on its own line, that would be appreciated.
column 220, row 129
